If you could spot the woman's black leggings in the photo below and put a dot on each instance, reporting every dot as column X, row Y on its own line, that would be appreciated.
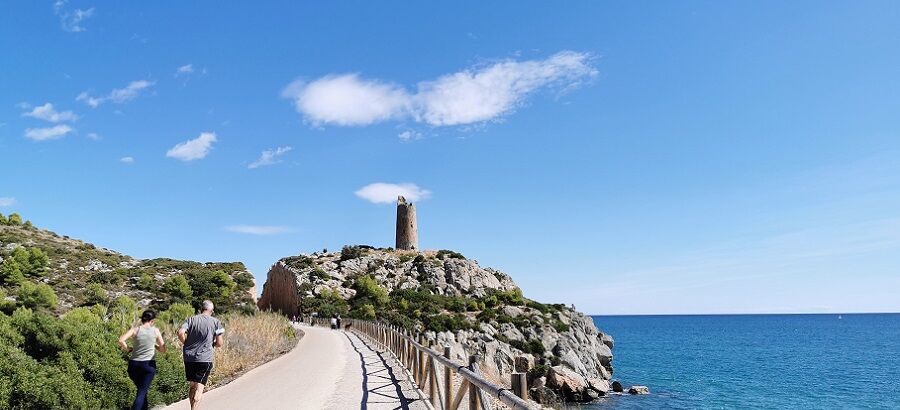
column 141, row 373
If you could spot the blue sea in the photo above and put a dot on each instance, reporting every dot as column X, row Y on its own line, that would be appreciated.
column 756, row 361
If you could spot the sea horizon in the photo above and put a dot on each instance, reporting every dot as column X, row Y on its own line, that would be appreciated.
column 743, row 314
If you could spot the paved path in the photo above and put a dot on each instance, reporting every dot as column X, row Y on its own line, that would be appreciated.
column 329, row 369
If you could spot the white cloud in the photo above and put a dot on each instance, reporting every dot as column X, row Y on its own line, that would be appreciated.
column 44, row 134
column 269, row 157
column 409, row 135
column 92, row 101
column 347, row 100
column 94, row 136
column 118, row 95
column 46, row 112
column 385, row 193
column 474, row 96
column 196, row 148
column 471, row 96
column 7, row 201
column 127, row 160
column 130, row 91
column 258, row 229
column 71, row 20
column 184, row 70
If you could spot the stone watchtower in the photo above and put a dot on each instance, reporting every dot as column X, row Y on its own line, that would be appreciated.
column 407, row 234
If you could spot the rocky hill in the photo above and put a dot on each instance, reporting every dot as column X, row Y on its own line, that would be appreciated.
column 81, row 274
column 455, row 302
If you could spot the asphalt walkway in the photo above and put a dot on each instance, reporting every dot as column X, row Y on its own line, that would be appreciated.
column 329, row 369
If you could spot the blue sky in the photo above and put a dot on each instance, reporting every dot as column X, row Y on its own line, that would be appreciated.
column 627, row 157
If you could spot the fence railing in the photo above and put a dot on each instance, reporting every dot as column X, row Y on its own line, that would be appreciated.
column 434, row 372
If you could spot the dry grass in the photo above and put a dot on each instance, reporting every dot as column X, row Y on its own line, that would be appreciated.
column 249, row 342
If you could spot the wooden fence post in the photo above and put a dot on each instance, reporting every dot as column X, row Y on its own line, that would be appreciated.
column 448, row 381
column 473, row 390
column 520, row 385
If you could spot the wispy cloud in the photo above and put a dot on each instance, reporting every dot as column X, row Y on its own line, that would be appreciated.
column 184, row 70
column 409, row 135
column 71, row 20
column 94, row 136
column 51, row 133
column 269, row 157
column 7, row 201
column 471, row 96
column 126, row 160
column 197, row 148
column 118, row 95
column 258, row 229
column 386, row 193
column 46, row 112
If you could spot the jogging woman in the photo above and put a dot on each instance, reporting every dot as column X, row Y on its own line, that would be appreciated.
column 142, row 367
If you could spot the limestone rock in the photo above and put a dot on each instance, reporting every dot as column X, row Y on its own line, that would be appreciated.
column 638, row 390
column 570, row 340
column 617, row 387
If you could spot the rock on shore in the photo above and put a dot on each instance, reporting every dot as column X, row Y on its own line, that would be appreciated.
column 562, row 348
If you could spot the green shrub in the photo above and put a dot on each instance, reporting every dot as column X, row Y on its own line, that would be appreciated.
column 448, row 254
column 538, row 306
column 536, row 347
column 147, row 282
column 487, row 315
column 37, row 296
column 216, row 286
column 512, row 297
column 11, row 272
column 176, row 314
column 445, row 322
column 94, row 294
column 560, row 326
column 6, row 306
column 299, row 262
column 538, row 371
column 22, row 262
column 3, row 220
column 178, row 288
column 352, row 252
column 368, row 288
column 14, row 219
column 110, row 277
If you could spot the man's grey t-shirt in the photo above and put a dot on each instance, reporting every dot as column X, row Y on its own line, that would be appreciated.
column 201, row 331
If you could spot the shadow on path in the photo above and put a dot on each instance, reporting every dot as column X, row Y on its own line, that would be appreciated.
column 379, row 378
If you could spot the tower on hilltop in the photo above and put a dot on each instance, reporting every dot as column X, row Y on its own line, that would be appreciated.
column 407, row 233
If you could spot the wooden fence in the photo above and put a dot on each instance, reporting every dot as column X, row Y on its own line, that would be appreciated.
column 434, row 372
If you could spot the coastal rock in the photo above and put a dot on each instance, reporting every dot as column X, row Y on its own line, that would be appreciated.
column 617, row 387
column 516, row 336
column 572, row 385
column 600, row 385
column 638, row 390
column 606, row 339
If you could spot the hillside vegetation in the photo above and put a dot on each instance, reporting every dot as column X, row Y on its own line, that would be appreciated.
column 64, row 303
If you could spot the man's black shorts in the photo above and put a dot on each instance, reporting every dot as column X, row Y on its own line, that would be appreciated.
column 197, row 371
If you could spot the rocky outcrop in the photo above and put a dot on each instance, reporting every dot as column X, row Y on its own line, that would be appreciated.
column 563, row 349
column 280, row 291
column 639, row 390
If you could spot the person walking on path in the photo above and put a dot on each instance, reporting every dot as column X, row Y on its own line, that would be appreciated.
column 142, row 367
column 199, row 334
column 333, row 322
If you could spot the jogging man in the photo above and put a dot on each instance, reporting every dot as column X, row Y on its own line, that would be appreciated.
column 199, row 334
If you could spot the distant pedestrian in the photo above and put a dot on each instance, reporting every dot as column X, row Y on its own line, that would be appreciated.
column 334, row 322
column 142, row 367
column 199, row 334
column 338, row 321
